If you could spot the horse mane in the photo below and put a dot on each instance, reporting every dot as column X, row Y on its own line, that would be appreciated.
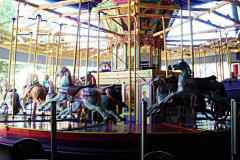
column 70, row 77
column 65, row 69
column 222, row 89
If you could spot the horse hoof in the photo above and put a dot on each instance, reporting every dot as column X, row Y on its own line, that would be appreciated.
column 122, row 119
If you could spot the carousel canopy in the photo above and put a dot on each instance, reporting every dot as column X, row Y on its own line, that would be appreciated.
column 208, row 17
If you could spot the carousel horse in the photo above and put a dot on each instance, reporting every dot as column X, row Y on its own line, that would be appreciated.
column 196, row 90
column 164, row 87
column 114, row 93
column 10, row 100
column 91, row 97
column 209, row 88
column 103, row 101
column 65, row 84
column 49, row 87
column 34, row 93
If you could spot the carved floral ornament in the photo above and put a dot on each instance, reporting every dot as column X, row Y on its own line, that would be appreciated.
column 156, row 42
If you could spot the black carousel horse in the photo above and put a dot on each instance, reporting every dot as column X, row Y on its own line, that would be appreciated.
column 192, row 96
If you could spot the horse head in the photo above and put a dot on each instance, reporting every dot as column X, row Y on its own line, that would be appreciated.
column 184, row 67
column 65, row 75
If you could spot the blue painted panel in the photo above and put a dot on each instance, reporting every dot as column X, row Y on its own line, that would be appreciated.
column 3, row 53
column 84, row 5
column 23, row 57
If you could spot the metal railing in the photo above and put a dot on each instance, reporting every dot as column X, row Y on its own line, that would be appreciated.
column 234, row 129
column 53, row 131
column 145, row 154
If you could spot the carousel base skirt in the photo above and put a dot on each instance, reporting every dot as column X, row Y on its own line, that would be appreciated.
column 113, row 141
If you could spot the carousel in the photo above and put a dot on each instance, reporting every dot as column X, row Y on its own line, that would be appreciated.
column 111, row 86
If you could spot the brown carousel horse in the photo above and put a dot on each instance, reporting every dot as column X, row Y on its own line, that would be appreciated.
column 35, row 93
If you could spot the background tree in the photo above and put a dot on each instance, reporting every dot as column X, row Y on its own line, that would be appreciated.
column 3, row 69
column 7, row 12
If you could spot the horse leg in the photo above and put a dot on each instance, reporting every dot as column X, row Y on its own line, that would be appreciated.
column 117, row 118
column 63, row 113
column 4, row 108
column 67, row 111
column 34, row 108
column 98, row 109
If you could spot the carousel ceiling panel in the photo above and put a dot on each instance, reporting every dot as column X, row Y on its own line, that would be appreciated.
column 225, row 25
column 84, row 4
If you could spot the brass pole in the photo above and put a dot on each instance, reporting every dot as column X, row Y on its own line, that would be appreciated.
column 11, row 52
column 198, row 67
column 52, row 62
column 50, row 58
column 181, row 19
column 47, row 54
column 137, row 61
column 222, row 55
column 77, row 41
column 220, row 60
column 30, row 48
column 164, row 46
column 191, row 35
column 39, row 18
column 216, row 58
column 129, row 61
column 79, row 37
column 16, row 46
column 199, row 62
column 205, row 65
column 14, row 56
column 229, row 57
column 87, row 55
column 135, row 71
column 61, row 56
column 58, row 50
column 98, row 51
column 160, row 58
column 135, row 66
column 150, row 56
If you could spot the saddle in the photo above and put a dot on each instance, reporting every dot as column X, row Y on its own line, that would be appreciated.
column 201, row 84
column 29, row 89
column 73, row 90
column 210, row 78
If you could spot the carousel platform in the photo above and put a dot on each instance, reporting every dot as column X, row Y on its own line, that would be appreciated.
column 111, row 141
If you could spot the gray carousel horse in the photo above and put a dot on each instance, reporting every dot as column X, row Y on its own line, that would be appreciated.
column 107, row 98
column 92, row 99
column 11, row 103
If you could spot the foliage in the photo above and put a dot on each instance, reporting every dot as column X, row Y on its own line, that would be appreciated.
column 7, row 12
column 3, row 69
